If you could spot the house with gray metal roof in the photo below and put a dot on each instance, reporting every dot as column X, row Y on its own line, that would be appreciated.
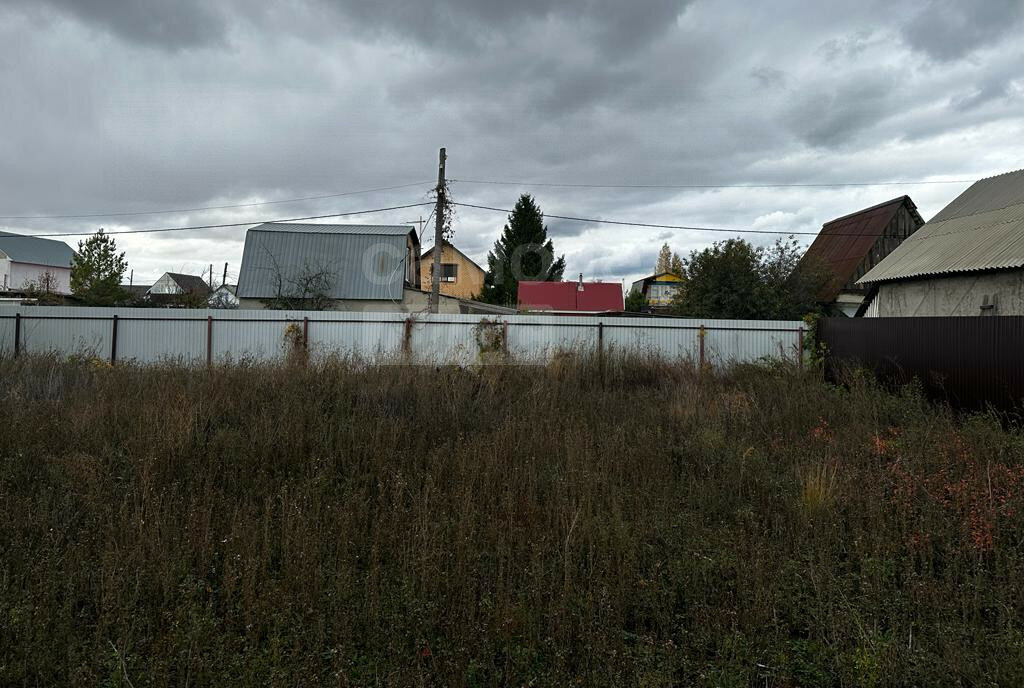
column 967, row 260
column 26, row 262
column 343, row 267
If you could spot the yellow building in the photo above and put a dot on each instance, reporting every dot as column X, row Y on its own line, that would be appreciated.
column 658, row 289
column 460, row 276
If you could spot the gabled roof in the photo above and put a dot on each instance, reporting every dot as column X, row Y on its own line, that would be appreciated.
column 364, row 261
column 190, row 284
column 982, row 229
column 642, row 284
column 430, row 252
column 845, row 242
column 595, row 297
column 36, row 250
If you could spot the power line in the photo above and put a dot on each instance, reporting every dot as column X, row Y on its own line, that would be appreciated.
column 713, row 186
column 210, row 207
column 239, row 224
column 625, row 223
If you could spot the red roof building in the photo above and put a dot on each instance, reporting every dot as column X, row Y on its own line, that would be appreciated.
column 571, row 297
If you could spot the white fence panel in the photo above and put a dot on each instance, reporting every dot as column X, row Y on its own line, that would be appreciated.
column 235, row 339
column 90, row 336
column 534, row 337
column 736, row 341
column 150, row 335
column 152, row 341
column 652, row 338
column 363, row 337
column 448, row 340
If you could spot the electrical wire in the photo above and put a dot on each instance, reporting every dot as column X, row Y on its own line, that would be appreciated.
column 238, row 224
column 712, row 186
column 210, row 207
column 624, row 223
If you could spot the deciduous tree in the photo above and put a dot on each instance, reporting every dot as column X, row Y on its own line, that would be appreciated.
column 734, row 279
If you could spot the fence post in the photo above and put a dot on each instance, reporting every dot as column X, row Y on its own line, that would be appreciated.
column 600, row 351
column 407, row 336
column 800, row 351
column 504, row 339
column 113, row 341
column 700, row 337
column 209, row 340
column 305, row 334
column 17, row 334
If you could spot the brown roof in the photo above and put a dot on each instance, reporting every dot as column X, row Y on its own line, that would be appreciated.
column 846, row 241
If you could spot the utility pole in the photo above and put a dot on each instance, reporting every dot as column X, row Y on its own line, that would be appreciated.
column 225, row 280
column 435, row 278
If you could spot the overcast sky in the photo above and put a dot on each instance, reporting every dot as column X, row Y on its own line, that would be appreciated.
column 142, row 105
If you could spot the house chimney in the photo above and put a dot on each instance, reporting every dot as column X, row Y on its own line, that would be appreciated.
column 579, row 285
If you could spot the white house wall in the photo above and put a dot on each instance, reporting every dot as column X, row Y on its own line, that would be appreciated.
column 957, row 294
column 19, row 274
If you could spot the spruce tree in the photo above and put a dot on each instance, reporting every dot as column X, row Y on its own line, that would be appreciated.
column 96, row 271
column 523, row 252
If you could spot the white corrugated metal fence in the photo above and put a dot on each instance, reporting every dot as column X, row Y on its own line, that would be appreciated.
column 197, row 336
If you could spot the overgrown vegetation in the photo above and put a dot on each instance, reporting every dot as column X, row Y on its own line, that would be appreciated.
column 283, row 525
column 735, row 279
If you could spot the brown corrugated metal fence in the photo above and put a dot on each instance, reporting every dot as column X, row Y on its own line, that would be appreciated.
column 968, row 361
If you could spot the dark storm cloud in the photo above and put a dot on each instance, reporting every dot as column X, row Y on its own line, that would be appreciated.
column 461, row 24
column 139, row 105
column 831, row 114
column 950, row 29
column 171, row 25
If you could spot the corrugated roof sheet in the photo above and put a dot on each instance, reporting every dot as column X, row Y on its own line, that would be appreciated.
column 366, row 261
column 36, row 250
column 982, row 229
column 595, row 297
column 845, row 242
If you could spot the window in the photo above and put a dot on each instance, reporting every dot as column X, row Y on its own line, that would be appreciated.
column 449, row 272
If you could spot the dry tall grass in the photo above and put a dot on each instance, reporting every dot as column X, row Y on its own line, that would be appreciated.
column 260, row 525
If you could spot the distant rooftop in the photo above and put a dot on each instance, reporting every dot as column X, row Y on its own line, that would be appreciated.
column 36, row 250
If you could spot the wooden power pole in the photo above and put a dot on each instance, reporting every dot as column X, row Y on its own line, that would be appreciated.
column 435, row 277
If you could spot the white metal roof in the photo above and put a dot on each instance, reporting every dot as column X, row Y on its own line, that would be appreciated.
column 982, row 229
column 364, row 261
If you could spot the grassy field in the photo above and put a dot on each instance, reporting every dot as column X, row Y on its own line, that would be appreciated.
column 353, row 525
